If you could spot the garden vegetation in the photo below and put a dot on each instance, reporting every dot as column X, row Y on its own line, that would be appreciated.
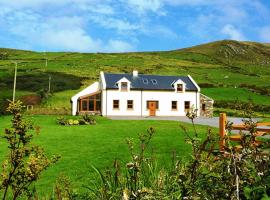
column 209, row 173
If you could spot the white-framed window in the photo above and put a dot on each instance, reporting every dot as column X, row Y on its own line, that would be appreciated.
column 124, row 86
column 130, row 104
column 115, row 104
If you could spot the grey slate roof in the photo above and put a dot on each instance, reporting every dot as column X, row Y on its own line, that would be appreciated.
column 148, row 82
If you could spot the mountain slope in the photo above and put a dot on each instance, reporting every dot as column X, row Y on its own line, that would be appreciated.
column 234, row 52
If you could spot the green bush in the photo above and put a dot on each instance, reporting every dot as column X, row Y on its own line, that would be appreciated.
column 84, row 120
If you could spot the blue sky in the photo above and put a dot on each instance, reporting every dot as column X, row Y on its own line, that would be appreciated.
column 129, row 25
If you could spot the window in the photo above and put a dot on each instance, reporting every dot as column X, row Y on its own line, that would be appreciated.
column 174, row 105
column 124, row 86
column 154, row 81
column 147, row 103
column 145, row 81
column 179, row 87
column 90, row 103
column 129, row 104
column 187, row 105
column 84, row 105
column 115, row 104
column 203, row 107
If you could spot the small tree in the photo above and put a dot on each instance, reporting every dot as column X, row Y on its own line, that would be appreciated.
column 25, row 162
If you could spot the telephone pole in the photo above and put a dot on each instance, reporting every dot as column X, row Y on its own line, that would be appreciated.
column 49, row 87
column 14, row 83
column 46, row 65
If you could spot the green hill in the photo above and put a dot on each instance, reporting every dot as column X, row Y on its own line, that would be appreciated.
column 241, row 66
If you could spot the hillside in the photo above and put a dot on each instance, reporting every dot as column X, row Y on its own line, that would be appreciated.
column 222, row 64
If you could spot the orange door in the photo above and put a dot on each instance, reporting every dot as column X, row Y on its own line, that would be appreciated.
column 152, row 108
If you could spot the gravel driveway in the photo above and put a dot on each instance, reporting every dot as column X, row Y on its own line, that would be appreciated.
column 214, row 122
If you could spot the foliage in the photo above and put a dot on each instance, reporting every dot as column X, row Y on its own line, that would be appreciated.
column 229, row 173
column 84, row 120
column 25, row 162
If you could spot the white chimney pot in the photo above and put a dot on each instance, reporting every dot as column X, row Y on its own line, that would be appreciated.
column 135, row 73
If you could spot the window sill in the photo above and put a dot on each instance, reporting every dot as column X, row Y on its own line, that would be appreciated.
column 116, row 109
column 174, row 110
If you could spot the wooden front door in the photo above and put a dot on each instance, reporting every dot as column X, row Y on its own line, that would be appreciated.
column 152, row 108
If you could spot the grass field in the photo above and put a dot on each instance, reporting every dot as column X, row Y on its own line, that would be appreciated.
column 240, row 94
column 82, row 147
column 224, row 64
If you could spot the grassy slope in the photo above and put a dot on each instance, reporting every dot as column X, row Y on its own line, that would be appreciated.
column 84, row 146
column 222, row 63
column 240, row 94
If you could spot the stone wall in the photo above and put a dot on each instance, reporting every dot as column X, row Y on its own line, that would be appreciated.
column 207, row 106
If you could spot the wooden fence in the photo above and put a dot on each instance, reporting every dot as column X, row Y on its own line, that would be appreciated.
column 261, row 129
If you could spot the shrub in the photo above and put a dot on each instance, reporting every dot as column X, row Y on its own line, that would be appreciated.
column 84, row 120
column 24, row 162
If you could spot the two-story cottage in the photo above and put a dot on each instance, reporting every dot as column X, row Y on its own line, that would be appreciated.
column 140, row 95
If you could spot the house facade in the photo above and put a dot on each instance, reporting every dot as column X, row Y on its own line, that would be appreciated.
column 139, row 95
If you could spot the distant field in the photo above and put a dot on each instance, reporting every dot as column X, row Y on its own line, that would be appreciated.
column 98, row 145
column 240, row 94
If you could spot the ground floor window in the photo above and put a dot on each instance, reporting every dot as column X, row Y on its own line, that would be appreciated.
column 174, row 105
column 148, row 103
column 90, row 103
column 115, row 104
column 203, row 107
column 129, row 104
column 187, row 106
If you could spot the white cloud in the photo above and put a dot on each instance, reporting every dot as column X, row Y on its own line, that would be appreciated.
column 232, row 32
column 118, row 46
column 143, row 6
column 121, row 25
column 265, row 34
column 71, row 40
column 41, row 4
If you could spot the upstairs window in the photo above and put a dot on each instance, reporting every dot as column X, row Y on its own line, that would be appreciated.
column 179, row 87
column 115, row 104
column 129, row 104
column 174, row 105
column 124, row 86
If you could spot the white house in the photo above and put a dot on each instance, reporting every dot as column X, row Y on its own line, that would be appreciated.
column 138, row 95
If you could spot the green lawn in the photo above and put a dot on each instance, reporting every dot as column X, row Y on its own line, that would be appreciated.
column 98, row 145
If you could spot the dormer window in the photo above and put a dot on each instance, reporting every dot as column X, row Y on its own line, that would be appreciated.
column 124, row 86
column 179, row 87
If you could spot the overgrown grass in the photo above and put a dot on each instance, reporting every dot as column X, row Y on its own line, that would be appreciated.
column 98, row 145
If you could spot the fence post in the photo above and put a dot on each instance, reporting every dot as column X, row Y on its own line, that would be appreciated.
column 222, row 131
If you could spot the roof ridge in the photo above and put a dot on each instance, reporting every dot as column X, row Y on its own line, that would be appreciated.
column 146, row 74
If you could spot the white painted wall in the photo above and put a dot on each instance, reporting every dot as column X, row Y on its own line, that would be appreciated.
column 139, row 100
column 164, row 97
column 123, row 97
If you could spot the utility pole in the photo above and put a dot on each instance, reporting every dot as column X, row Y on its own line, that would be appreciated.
column 46, row 65
column 14, row 83
column 49, row 87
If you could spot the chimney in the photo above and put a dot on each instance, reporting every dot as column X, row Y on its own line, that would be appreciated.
column 135, row 73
